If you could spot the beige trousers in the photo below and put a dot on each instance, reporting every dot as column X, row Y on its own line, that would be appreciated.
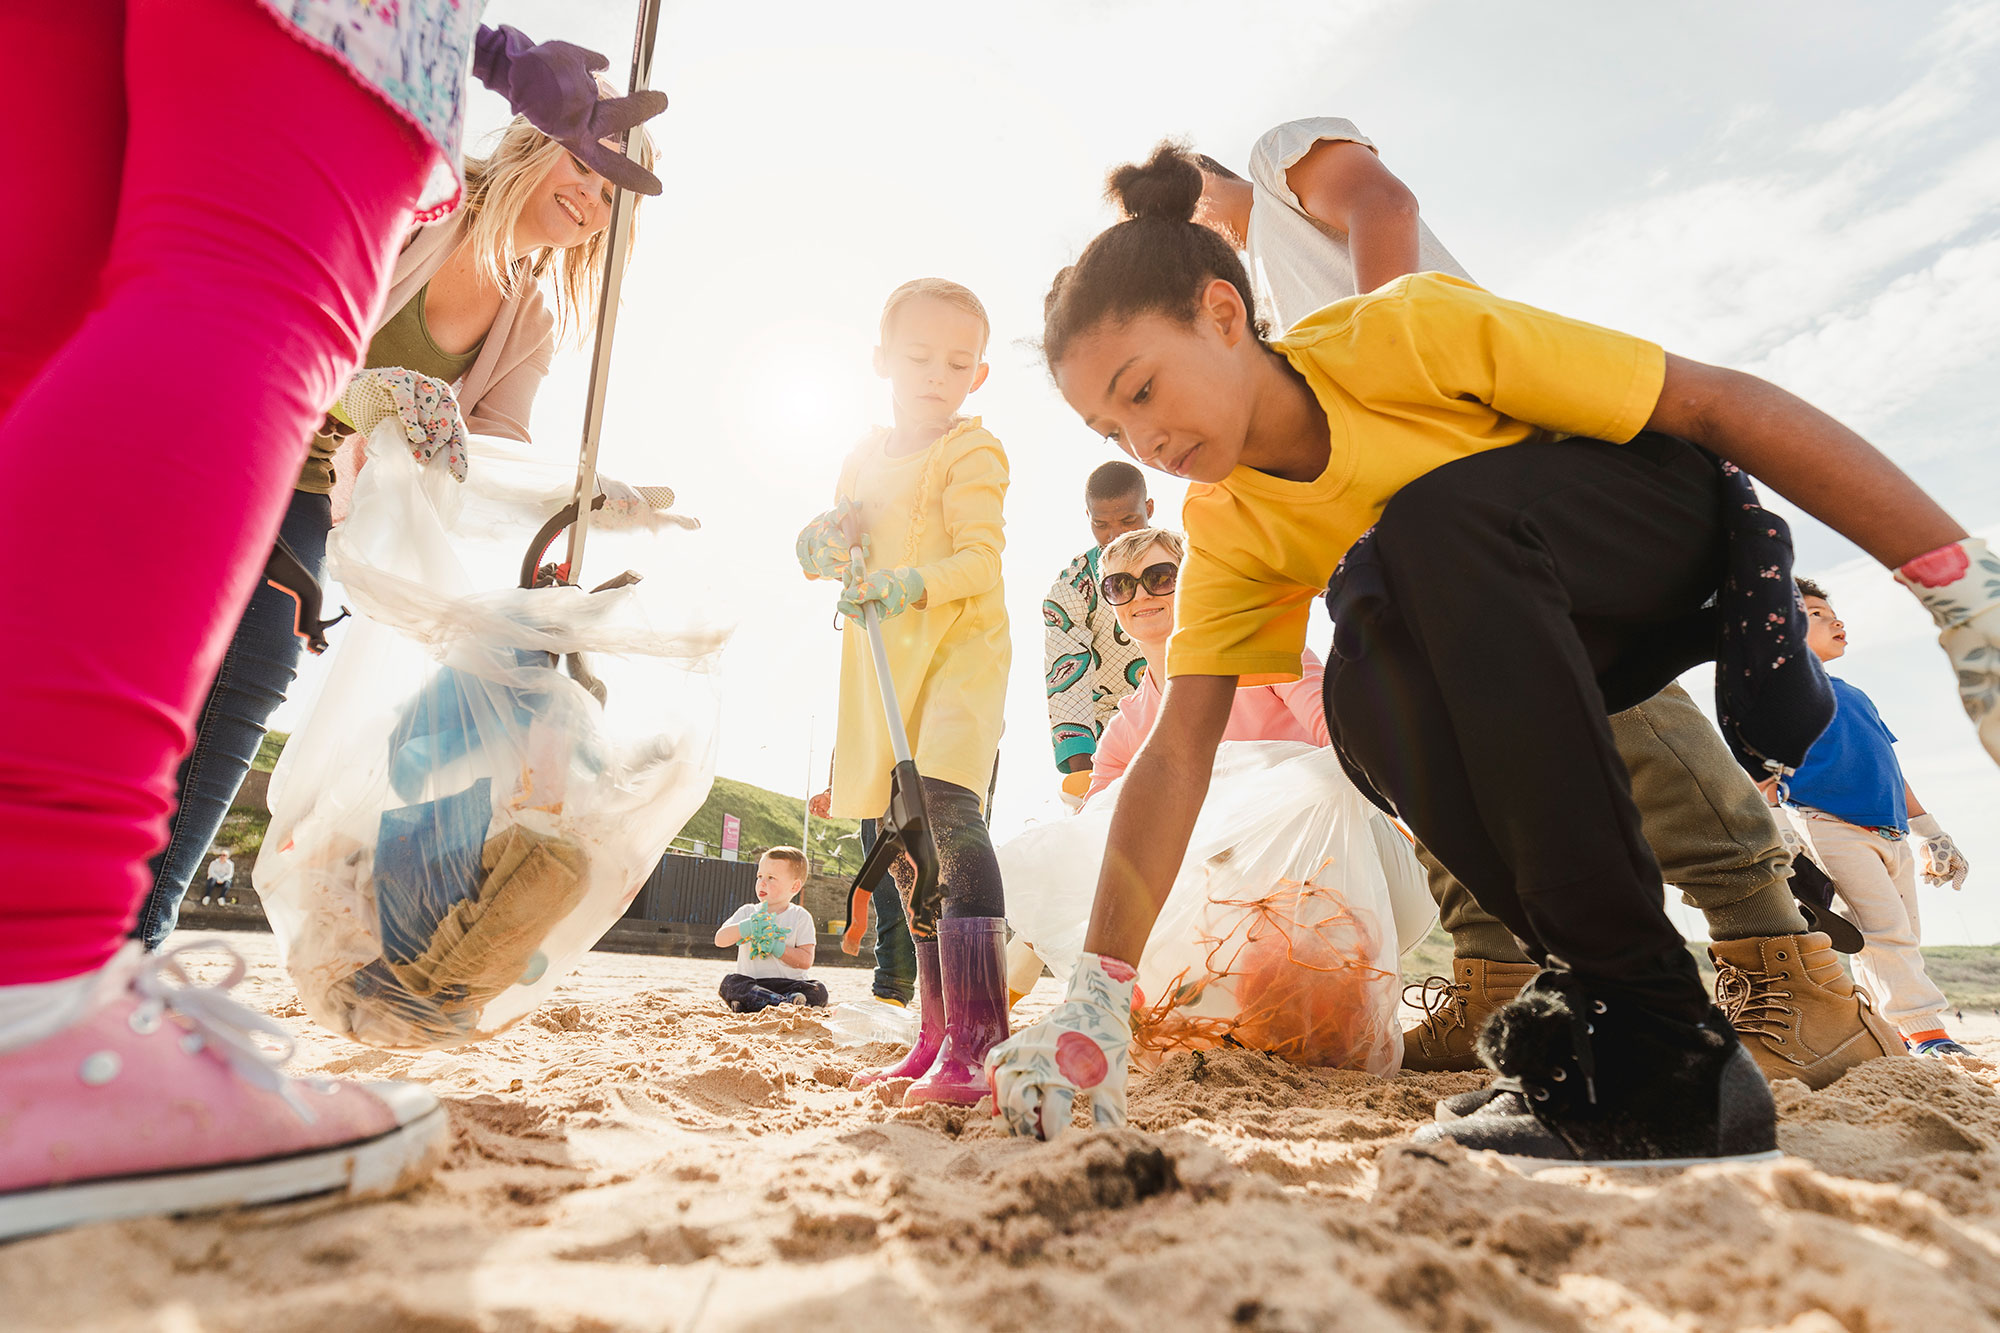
column 1877, row 879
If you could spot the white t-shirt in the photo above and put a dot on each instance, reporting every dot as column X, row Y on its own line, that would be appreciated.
column 1298, row 264
column 796, row 919
column 221, row 871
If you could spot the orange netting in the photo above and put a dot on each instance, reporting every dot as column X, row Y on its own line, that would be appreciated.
column 1297, row 967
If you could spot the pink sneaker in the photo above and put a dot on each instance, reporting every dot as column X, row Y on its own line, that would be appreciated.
column 160, row 1099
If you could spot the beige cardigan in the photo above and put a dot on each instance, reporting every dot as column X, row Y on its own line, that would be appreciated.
column 497, row 394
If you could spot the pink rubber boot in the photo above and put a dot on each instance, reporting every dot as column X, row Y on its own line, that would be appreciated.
column 974, row 952
column 156, row 1097
column 930, row 1023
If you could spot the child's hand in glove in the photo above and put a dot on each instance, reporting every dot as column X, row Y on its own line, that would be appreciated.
column 893, row 590
column 1943, row 862
column 768, row 939
column 823, row 546
column 1959, row 585
column 1080, row 1047
column 428, row 411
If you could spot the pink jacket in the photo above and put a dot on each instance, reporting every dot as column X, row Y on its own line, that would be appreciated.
column 1290, row 712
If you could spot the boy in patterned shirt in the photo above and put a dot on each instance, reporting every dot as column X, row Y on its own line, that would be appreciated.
column 1088, row 662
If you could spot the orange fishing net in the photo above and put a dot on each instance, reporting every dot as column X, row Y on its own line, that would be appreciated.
column 1291, row 971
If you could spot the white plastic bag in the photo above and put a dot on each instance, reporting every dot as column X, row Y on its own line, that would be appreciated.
column 457, row 821
column 1280, row 933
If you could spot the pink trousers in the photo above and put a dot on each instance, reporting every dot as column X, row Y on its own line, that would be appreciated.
column 201, row 217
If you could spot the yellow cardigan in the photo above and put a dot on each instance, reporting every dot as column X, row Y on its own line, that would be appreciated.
column 939, row 511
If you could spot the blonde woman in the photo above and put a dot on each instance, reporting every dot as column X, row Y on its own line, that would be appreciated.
column 469, row 305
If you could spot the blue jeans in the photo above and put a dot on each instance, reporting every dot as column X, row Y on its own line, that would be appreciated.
column 895, row 951
column 258, row 669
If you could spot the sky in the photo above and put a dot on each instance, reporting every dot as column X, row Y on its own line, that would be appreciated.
column 1809, row 192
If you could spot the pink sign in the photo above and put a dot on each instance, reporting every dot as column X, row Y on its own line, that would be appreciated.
column 732, row 833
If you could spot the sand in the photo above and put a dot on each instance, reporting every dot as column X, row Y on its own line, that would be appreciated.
column 636, row 1157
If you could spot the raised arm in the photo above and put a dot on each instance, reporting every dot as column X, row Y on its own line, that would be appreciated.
column 1344, row 185
column 1804, row 455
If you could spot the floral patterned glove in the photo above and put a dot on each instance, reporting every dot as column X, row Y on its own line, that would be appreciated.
column 823, row 546
column 1080, row 1047
column 768, row 939
column 428, row 410
column 1959, row 585
column 1943, row 862
column 894, row 590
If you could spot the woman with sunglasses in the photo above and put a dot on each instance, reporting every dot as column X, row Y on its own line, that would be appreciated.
column 1141, row 570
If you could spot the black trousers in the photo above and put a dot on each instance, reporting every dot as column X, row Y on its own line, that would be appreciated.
column 751, row 994
column 1501, row 609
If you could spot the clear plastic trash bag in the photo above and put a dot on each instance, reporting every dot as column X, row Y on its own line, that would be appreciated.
column 457, row 820
column 1283, row 929
column 858, row 1022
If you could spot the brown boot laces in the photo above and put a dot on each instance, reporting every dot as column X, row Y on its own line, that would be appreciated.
column 1443, row 1002
column 1752, row 1000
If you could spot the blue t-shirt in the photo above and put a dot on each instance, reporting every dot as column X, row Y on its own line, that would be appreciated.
column 1851, row 771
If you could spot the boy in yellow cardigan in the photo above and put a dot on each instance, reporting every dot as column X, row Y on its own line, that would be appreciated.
column 927, row 495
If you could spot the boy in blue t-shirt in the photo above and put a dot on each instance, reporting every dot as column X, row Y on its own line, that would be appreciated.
column 1860, row 816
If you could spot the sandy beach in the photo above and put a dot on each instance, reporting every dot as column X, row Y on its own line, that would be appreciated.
column 634, row 1156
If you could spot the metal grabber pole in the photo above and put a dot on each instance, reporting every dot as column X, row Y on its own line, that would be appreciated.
column 623, row 203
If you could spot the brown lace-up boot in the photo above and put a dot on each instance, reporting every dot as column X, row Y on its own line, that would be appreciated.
column 1794, row 1007
column 1455, row 1008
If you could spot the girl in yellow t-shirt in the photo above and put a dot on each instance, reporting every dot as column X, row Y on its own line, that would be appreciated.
column 927, row 493
column 1552, row 535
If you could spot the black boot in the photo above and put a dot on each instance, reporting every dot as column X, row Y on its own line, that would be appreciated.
column 1588, row 1078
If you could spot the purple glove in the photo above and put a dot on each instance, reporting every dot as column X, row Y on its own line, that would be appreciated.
column 554, row 85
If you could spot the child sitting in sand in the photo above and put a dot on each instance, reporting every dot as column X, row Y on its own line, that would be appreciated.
column 773, row 938
column 924, row 497
column 1861, row 816
column 1521, row 521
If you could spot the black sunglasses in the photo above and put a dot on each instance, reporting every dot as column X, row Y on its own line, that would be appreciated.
column 1158, row 580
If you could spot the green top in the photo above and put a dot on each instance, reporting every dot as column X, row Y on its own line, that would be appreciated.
column 404, row 341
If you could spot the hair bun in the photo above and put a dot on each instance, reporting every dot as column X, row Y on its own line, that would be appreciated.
column 1166, row 185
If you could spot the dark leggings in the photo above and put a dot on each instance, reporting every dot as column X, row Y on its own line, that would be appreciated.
column 1478, row 638
column 895, row 951
column 969, row 871
column 257, row 671
column 751, row 994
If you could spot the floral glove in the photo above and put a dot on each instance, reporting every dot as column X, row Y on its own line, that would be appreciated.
column 893, row 590
column 1080, row 1047
column 426, row 406
column 1943, row 862
column 768, row 939
column 1959, row 585
column 823, row 546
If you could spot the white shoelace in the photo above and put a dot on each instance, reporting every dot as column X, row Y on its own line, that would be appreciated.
column 225, row 1025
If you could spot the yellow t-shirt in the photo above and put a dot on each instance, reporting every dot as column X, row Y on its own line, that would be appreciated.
column 1413, row 375
column 940, row 511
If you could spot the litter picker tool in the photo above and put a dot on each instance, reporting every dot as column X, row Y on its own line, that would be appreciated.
column 622, row 205
column 908, row 827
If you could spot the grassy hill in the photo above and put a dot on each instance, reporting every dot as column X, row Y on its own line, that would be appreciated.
column 772, row 819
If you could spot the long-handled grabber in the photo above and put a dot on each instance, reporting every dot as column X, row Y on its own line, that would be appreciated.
column 908, row 827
